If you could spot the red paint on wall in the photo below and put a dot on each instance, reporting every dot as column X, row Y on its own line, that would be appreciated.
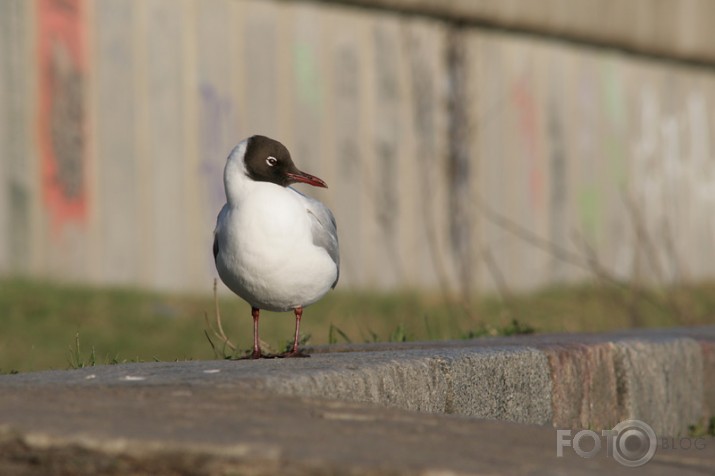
column 527, row 107
column 62, row 60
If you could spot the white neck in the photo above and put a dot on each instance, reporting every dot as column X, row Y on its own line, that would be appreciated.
column 235, row 176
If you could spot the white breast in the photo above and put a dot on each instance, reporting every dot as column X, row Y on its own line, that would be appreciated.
column 266, row 250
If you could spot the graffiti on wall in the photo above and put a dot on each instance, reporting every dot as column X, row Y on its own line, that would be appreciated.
column 217, row 121
column 217, row 134
column 62, row 116
column 347, row 110
column 674, row 177
column 307, row 75
column 308, row 90
column 588, row 193
column 530, row 133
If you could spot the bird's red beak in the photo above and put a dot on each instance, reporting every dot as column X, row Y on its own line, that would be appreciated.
column 306, row 178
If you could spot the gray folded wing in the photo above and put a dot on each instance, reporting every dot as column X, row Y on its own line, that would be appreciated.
column 324, row 229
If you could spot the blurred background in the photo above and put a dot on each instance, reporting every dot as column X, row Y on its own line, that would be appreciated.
column 494, row 166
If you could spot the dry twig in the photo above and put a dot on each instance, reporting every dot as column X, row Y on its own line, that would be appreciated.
column 218, row 330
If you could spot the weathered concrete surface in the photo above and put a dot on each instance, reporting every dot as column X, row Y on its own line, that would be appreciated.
column 708, row 349
column 570, row 381
column 317, row 415
column 663, row 376
column 185, row 429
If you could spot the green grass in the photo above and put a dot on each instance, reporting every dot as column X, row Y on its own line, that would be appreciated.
column 47, row 325
column 705, row 428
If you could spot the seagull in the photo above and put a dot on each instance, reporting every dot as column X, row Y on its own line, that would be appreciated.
column 274, row 247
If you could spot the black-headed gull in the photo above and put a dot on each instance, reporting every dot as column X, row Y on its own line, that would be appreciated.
column 273, row 246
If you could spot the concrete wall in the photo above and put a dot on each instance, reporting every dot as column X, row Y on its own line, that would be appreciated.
column 454, row 152
column 658, row 28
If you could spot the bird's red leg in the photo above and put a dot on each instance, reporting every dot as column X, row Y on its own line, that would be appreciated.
column 255, row 312
column 298, row 314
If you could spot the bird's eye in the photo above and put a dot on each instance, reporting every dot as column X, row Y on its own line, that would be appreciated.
column 271, row 161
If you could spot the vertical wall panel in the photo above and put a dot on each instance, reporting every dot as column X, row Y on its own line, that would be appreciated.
column 261, row 68
column 425, row 47
column 385, row 143
column 218, row 127
column 349, row 150
column 117, row 174
column 14, row 170
column 165, row 143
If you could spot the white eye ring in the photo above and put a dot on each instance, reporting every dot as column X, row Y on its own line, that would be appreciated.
column 271, row 161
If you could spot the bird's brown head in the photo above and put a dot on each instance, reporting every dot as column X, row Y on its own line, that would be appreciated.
column 267, row 160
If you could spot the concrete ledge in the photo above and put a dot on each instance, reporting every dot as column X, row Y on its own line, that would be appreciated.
column 505, row 384
column 674, row 30
column 663, row 377
column 567, row 381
